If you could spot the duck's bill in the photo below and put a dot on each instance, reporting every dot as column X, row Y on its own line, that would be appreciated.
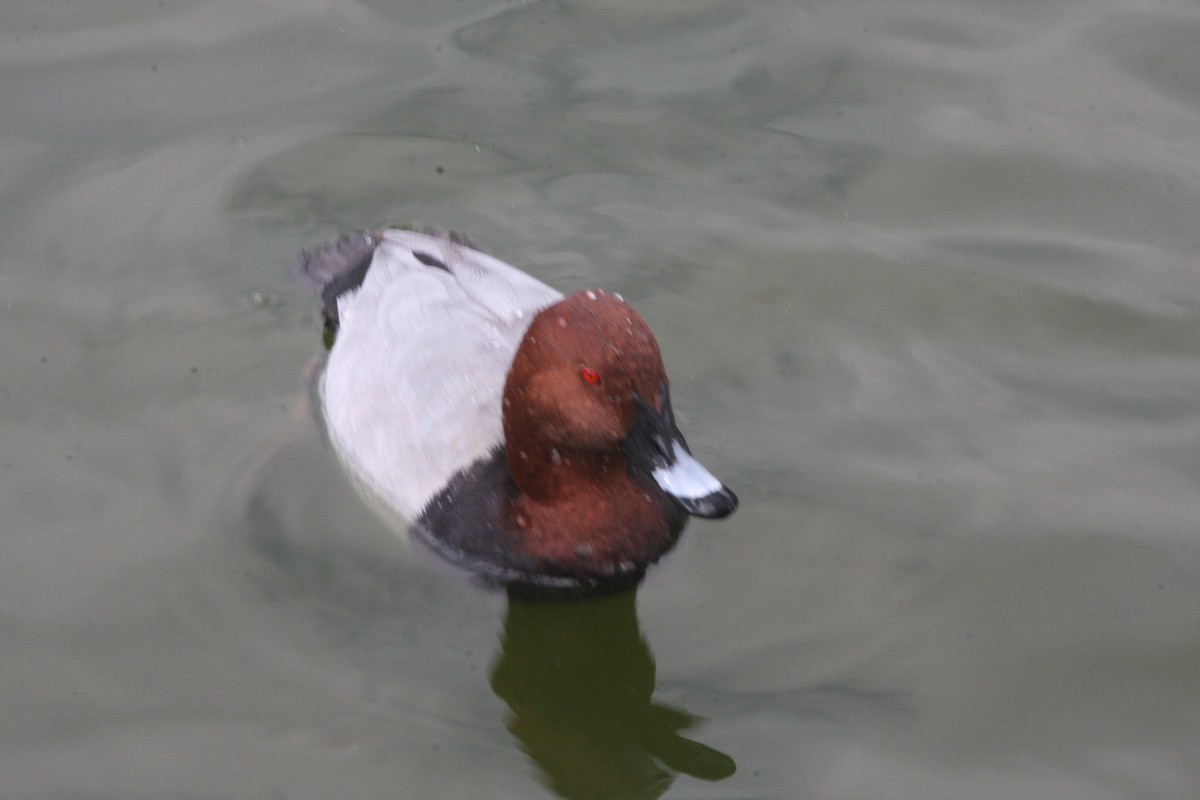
column 656, row 447
column 694, row 488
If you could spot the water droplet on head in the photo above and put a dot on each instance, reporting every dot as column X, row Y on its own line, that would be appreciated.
column 555, row 456
column 591, row 295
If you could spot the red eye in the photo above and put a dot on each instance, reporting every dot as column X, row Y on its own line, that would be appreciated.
column 589, row 375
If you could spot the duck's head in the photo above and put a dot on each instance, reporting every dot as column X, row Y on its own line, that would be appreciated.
column 588, row 382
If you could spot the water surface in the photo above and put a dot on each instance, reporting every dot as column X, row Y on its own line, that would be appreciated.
column 925, row 277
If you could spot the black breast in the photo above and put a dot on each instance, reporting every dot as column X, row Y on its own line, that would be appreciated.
column 465, row 523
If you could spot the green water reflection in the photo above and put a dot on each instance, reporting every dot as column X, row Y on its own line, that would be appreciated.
column 578, row 678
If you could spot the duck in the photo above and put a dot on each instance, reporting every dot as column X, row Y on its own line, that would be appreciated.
column 523, row 434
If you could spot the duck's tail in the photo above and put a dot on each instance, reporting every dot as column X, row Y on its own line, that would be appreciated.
column 334, row 269
column 337, row 268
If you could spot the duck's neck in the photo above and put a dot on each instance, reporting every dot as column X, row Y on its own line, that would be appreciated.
column 550, row 474
column 581, row 511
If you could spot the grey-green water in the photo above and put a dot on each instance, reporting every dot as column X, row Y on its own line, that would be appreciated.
column 926, row 276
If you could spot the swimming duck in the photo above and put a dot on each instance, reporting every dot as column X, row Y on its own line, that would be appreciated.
column 524, row 434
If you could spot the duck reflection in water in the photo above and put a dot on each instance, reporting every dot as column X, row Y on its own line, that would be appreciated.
column 578, row 678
